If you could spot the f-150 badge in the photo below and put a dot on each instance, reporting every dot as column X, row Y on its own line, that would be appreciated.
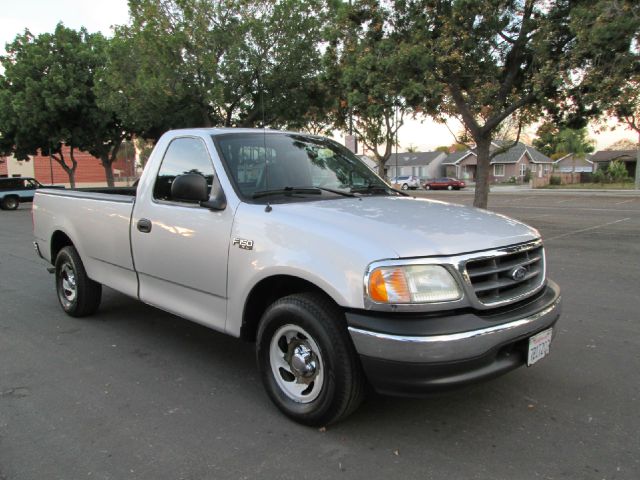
column 243, row 244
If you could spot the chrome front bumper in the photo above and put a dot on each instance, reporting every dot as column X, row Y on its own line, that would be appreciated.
column 454, row 347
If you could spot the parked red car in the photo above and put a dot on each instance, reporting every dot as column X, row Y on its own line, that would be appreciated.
column 444, row 183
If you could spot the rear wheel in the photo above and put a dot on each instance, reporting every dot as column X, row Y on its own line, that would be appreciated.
column 10, row 203
column 306, row 360
column 427, row 187
column 449, row 187
column 78, row 295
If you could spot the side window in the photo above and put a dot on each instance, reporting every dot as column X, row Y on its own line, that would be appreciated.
column 184, row 155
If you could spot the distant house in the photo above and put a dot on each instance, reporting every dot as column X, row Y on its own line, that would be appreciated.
column 462, row 165
column 419, row 164
column 513, row 163
column 572, row 163
column 603, row 158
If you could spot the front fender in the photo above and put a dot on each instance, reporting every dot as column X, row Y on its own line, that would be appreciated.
column 295, row 247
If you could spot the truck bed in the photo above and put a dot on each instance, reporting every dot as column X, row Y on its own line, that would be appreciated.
column 97, row 221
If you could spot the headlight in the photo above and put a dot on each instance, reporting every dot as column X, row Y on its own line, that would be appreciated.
column 412, row 284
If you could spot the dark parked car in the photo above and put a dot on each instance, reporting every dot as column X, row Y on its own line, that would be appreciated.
column 17, row 189
column 444, row 183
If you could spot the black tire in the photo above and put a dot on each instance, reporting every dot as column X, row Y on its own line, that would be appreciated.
column 427, row 187
column 85, row 300
column 405, row 186
column 10, row 203
column 342, row 383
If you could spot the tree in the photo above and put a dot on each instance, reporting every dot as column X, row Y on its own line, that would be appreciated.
column 608, row 39
column 489, row 60
column 47, row 99
column 546, row 140
column 40, row 103
column 454, row 147
column 189, row 63
column 363, row 70
column 557, row 142
column 623, row 144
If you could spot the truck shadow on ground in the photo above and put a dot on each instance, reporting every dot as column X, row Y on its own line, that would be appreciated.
column 190, row 345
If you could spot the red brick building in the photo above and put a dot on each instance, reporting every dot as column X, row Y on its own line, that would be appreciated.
column 89, row 171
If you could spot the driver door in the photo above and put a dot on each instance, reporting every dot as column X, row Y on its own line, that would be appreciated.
column 180, row 249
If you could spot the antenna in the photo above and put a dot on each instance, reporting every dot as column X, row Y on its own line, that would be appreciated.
column 264, row 141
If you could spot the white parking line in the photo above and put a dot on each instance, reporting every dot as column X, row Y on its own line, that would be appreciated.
column 551, row 207
column 586, row 229
column 626, row 201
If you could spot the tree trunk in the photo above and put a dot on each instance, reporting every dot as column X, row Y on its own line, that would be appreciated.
column 481, row 198
column 108, row 172
column 70, row 170
column 638, row 164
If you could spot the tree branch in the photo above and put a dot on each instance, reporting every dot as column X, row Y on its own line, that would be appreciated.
column 506, row 148
column 493, row 122
column 467, row 117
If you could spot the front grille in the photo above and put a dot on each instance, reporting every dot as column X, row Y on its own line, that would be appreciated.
column 507, row 276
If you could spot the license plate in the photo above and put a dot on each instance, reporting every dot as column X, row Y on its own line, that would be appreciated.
column 539, row 346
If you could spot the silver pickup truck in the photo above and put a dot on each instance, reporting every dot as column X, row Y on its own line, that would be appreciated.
column 290, row 241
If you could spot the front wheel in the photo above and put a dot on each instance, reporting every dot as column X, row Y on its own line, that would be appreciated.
column 10, row 203
column 405, row 186
column 427, row 187
column 78, row 295
column 306, row 360
column 449, row 187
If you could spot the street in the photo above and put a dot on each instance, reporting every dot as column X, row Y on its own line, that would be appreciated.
column 136, row 393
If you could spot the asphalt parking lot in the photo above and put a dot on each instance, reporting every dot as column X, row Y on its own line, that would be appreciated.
column 136, row 393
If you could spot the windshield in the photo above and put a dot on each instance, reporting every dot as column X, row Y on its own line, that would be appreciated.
column 293, row 164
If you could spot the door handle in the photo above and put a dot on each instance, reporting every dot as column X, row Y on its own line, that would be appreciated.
column 144, row 225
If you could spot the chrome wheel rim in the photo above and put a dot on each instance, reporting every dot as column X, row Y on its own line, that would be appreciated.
column 11, row 203
column 296, row 363
column 68, row 285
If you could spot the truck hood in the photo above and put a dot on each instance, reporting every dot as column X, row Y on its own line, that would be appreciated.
column 412, row 227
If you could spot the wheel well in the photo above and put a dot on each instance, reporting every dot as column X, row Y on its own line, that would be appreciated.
column 59, row 240
column 264, row 293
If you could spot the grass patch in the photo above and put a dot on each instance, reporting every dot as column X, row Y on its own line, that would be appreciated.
column 593, row 186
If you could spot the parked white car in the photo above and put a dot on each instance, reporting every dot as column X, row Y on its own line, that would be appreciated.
column 406, row 182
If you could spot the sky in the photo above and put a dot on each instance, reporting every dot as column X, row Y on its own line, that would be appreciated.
column 41, row 16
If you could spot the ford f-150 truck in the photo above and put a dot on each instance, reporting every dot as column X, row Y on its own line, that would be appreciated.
column 290, row 241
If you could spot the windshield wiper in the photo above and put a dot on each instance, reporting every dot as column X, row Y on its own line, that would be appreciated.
column 288, row 191
column 378, row 189
column 370, row 189
column 336, row 191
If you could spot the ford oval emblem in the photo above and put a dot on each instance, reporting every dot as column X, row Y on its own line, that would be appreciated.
column 518, row 273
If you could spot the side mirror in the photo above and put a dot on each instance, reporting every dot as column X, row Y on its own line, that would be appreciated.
column 190, row 187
